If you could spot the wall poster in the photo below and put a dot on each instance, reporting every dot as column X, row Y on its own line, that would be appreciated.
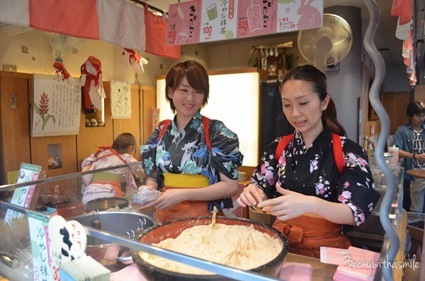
column 120, row 100
column 57, row 107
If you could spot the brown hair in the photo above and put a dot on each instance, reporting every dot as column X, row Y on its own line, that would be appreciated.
column 195, row 74
column 311, row 74
column 123, row 142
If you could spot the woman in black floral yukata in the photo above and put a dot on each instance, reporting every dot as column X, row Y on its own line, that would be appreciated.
column 192, row 159
column 316, row 180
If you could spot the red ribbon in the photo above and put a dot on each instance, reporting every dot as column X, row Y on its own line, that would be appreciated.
column 133, row 55
column 60, row 69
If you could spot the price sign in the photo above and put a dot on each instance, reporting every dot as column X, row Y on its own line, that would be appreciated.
column 218, row 20
column 38, row 225
column 22, row 196
column 207, row 31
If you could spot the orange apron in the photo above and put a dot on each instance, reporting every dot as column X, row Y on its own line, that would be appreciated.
column 306, row 234
column 184, row 209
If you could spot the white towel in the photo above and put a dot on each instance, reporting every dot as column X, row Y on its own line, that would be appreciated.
column 15, row 12
column 122, row 23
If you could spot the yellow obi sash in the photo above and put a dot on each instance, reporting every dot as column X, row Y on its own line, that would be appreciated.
column 185, row 180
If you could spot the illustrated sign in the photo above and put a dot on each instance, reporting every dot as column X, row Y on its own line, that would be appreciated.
column 57, row 107
column 184, row 23
column 211, row 20
column 218, row 20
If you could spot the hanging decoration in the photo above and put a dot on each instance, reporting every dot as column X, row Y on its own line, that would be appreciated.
column 135, row 59
column 91, row 79
column 62, row 73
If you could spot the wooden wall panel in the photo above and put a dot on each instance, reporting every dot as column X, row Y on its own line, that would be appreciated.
column 67, row 154
column 14, row 122
column 420, row 93
column 395, row 104
column 90, row 138
column 132, row 125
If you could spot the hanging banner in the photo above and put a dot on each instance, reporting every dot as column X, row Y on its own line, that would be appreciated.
column 293, row 15
column 120, row 100
column 76, row 18
column 15, row 12
column 212, row 20
column 256, row 17
column 184, row 23
column 117, row 22
column 218, row 20
column 57, row 107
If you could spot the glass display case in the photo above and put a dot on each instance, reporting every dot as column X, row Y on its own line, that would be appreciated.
column 62, row 195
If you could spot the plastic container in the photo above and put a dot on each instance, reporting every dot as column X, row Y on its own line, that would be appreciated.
column 394, row 151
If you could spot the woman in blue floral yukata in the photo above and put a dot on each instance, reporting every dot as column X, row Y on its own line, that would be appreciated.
column 318, row 180
column 192, row 159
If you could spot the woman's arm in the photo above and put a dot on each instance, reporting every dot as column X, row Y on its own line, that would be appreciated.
column 355, row 186
column 226, row 187
column 293, row 204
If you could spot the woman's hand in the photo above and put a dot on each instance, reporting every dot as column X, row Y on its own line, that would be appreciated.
column 168, row 199
column 251, row 196
column 291, row 205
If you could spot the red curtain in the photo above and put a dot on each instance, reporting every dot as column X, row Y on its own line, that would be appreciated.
column 156, row 29
column 76, row 18
column 403, row 9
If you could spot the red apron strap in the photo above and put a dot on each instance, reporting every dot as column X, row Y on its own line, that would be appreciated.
column 283, row 143
column 113, row 152
column 336, row 146
column 166, row 123
column 338, row 154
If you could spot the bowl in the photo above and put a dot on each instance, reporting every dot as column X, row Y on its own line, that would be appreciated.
column 51, row 200
column 172, row 229
column 125, row 224
column 68, row 210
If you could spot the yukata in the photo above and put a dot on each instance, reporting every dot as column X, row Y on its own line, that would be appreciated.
column 183, row 160
column 313, row 172
column 112, row 182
